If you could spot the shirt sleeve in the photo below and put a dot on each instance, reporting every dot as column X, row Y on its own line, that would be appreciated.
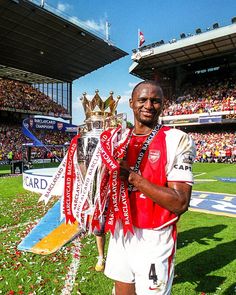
column 181, row 153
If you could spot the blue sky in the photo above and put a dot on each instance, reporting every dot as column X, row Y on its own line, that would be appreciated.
column 157, row 19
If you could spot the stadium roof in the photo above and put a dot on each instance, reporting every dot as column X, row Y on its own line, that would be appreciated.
column 214, row 45
column 47, row 47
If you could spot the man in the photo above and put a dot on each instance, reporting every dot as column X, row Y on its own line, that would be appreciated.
column 160, row 190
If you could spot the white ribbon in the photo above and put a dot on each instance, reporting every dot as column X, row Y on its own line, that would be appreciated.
column 57, row 176
column 87, row 187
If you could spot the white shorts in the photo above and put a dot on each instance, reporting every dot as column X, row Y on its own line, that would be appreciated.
column 145, row 258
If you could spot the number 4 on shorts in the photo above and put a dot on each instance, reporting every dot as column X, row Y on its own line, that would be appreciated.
column 152, row 274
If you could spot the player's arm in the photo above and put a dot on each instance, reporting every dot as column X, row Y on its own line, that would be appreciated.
column 175, row 197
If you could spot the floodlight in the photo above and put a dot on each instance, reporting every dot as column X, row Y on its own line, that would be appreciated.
column 233, row 20
column 198, row 31
column 215, row 26
column 172, row 41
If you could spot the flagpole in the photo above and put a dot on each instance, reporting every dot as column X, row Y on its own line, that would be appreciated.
column 138, row 37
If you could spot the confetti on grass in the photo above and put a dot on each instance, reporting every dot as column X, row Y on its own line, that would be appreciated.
column 72, row 270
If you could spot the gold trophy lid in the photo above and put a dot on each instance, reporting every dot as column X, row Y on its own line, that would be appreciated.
column 97, row 109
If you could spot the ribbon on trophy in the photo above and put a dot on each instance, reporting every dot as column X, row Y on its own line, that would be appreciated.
column 120, row 153
column 101, row 201
column 85, row 201
column 70, row 192
column 114, row 183
column 119, row 207
column 47, row 195
column 69, row 180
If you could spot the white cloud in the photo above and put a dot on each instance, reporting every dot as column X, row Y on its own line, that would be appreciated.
column 132, row 84
column 98, row 26
column 64, row 7
column 90, row 24
column 127, row 93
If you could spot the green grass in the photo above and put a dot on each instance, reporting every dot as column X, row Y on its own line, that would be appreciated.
column 205, row 260
column 209, row 173
column 5, row 169
column 35, row 166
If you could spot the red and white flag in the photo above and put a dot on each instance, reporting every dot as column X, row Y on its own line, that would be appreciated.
column 141, row 39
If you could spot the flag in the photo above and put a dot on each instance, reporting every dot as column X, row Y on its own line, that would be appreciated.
column 141, row 38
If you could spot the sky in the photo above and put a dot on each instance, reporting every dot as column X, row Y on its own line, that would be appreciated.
column 157, row 19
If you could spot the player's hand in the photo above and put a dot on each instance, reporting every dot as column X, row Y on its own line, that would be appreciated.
column 124, row 170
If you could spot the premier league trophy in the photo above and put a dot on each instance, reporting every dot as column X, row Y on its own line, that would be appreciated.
column 91, row 181
column 86, row 181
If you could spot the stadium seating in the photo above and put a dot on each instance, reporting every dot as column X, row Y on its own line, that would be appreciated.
column 218, row 147
column 22, row 96
column 12, row 138
column 212, row 97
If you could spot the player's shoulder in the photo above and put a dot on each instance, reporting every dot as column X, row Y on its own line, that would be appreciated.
column 174, row 132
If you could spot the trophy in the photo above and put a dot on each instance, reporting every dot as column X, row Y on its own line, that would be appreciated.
column 100, row 116
column 90, row 169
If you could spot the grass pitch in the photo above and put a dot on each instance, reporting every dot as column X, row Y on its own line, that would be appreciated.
column 206, row 177
column 205, row 260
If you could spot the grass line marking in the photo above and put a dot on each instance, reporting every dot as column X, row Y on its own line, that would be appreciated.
column 215, row 193
column 212, row 212
column 205, row 179
column 198, row 174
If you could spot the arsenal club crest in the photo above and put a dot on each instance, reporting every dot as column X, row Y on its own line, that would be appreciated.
column 154, row 155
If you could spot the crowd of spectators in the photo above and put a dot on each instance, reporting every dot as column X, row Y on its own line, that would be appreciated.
column 22, row 96
column 212, row 97
column 211, row 146
column 12, row 138
column 218, row 147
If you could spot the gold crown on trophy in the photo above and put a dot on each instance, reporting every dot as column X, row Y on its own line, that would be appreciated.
column 99, row 108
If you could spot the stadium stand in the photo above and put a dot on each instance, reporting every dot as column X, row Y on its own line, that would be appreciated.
column 12, row 139
column 212, row 146
column 198, row 75
column 23, row 97
column 217, row 147
column 210, row 97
